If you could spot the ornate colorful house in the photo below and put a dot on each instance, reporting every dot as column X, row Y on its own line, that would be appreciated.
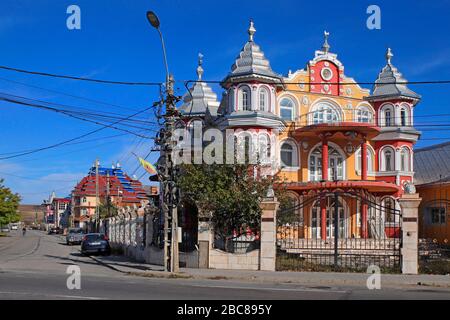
column 321, row 132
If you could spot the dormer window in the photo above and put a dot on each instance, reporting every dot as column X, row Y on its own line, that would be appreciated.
column 244, row 97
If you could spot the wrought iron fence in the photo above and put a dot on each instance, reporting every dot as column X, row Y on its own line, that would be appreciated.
column 333, row 231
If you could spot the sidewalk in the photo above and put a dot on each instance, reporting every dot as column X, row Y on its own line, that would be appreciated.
column 124, row 265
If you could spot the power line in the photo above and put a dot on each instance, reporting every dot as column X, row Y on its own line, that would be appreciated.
column 80, row 78
column 72, row 139
column 335, row 83
column 69, row 95
column 70, row 114
column 37, row 179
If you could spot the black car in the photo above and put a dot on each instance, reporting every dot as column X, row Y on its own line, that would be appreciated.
column 95, row 243
column 54, row 230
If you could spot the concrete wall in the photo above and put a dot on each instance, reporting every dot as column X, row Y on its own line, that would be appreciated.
column 126, row 233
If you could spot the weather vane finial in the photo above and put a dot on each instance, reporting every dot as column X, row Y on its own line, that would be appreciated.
column 389, row 55
column 199, row 68
column 326, row 46
column 251, row 30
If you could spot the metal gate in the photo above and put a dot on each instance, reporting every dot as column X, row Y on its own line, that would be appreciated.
column 339, row 231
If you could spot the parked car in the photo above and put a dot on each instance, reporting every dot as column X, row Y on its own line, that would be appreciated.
column 95, row 243
column 4, row 229
column 54, row 230
column 74, row 236
column 14, row 227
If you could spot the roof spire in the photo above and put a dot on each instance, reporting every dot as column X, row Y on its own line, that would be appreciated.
column 251, row 31
column 389, row 55
column 199, row 68
column 325, row 46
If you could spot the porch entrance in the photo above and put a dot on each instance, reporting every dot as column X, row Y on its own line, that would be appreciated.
column 330, row 208
column 360, row 231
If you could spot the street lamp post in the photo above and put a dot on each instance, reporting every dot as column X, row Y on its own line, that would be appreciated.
column 169, row 190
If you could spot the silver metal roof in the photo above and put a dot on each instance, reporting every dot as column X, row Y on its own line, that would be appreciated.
column 200, row 99
column 251, row 61
column 389, row 82
column 432, row 164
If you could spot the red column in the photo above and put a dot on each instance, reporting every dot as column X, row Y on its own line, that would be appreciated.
column 323, row 219
column 364, row 160
column 324, row 159
column 364, row 231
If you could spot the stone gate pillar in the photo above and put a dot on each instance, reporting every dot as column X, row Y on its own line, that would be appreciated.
column 268, row 234
column 205, row 240
column 409, row 204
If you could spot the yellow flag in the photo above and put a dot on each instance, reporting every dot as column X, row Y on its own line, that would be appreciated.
column 147, row 166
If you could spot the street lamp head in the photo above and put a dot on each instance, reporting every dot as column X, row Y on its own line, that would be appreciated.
column 153, row 19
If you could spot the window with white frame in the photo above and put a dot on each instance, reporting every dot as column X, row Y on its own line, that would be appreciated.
column 370, row 159
column 264, row 148
column 84, row 200
column 387, row 116
column 263, row 99
column 404, row 159
column 335, row 164
column 287, row 109
column 325, row 113
column 288, row 154
column 245, row 99
column 387, row 159
column 403, row 117
column 363, row 114
column 389, row 210
column 62, row 206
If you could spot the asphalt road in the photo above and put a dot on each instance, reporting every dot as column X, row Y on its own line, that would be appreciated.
column 34, row 267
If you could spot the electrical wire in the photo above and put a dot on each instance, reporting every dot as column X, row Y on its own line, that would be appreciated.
column 52, row 75
column 72, row 139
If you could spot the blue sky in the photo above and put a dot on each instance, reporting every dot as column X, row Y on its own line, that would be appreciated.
column 115, row 42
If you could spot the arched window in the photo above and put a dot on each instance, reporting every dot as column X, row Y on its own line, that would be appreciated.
column 245, row 99
column 388, row 117
column 263, row 99
column 288, row 154
column 403, row 117
column 287, row 109
column 387, row 159
column 404, row 159
column 335, row 164
column 363, row 114
column 264, row 148
column 325, row 113
column 370, row 159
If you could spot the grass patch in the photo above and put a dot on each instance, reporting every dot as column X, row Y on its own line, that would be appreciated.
column 435, row 267
column 218, row 278
column 295, row 263
column 2, row 234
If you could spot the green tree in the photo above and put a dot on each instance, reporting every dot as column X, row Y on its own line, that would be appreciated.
column 9, row 203
column 229, row 193
column 107, row 209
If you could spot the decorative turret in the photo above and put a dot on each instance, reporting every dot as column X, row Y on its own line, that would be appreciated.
column 391, row 84
column 200, row 100
column 251, row 86
column 251, row 64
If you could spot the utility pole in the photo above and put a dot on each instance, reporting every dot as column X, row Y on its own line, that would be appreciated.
column 166, row 173
column 97, row 215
